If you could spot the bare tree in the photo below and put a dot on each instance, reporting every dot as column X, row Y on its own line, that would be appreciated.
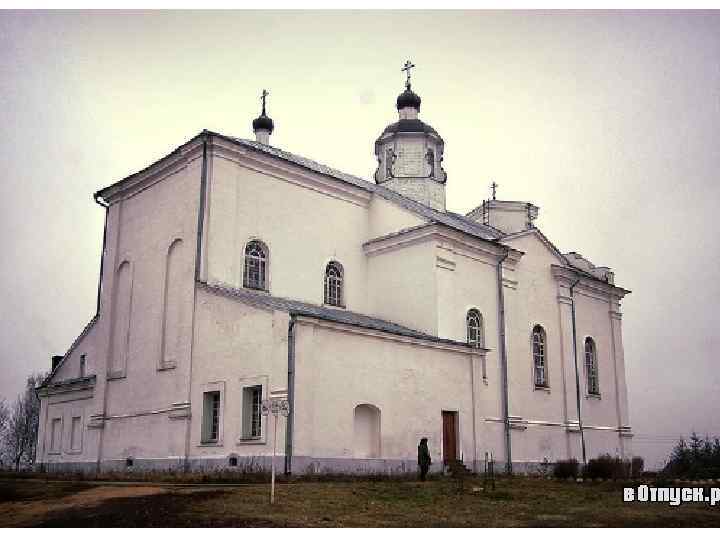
column 4, row 415
column 20, row 434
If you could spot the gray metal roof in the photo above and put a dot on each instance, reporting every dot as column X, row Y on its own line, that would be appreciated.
column 339, row 315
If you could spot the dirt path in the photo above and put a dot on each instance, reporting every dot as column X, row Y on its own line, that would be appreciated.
column 26, row 513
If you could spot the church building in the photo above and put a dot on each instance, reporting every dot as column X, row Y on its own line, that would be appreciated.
column 235, row 272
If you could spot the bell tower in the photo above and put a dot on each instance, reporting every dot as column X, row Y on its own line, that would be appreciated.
column 410, row 153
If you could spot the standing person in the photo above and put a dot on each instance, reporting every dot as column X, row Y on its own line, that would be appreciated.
column 424, row 460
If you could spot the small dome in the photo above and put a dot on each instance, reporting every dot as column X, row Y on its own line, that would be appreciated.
column 263, row 122
column 408, row 99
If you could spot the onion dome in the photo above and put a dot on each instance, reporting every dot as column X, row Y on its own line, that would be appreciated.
column 263, row 122
column 408, row 99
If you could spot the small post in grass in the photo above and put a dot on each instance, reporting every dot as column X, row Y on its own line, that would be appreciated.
column 489, row 470
column 277, row 407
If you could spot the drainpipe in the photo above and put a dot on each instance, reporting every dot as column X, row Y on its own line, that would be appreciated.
column 503, row 363
column 577, row 372
column 198, row 254
column 291, row 395
column 105, row 205
column 201, row 212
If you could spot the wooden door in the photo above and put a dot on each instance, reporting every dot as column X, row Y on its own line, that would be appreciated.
column 449, row 436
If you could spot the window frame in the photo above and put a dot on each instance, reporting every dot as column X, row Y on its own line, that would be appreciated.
column 338, row 284
column 52, row 447
column 244, row 382
column 263, row 262
column 76, row 449
column 247, row 432
column 207, row 388
column 479, row 341
column 541, row 354
column 590, row 367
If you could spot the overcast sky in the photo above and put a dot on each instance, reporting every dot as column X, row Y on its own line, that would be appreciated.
column 608, row 121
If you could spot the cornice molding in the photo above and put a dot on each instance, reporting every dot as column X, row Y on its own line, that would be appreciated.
column 567, row 276
column 176, row 411
column 518, row 422
column 459, row 242
column 67, row 386
column 167, row 166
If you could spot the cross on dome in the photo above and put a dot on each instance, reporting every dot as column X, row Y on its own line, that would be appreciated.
column 406, row 68
column 264, row 96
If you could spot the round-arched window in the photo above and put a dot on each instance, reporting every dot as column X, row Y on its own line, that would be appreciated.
column 475, row 334
column 334, row 284
column 255, row 268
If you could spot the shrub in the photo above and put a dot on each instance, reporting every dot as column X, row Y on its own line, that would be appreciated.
column 607, row 467
column 695, row 459
column 566, row 468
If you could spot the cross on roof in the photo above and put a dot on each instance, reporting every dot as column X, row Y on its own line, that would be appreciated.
column 407, row 67
column 494, row 187
column 263, row 96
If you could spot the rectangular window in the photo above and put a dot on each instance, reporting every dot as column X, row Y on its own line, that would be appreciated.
column 82, row 365
column 76, row 434
column 211, row 417
column 252, row 419
column 56, row 435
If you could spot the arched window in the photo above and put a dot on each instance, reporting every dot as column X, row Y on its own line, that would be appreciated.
column 591, row 367
column 539, row 356
column 173, row 328
column 122, row 307
column 334, row 284
column 475, row 334
column 255, row 269
column 366, row 432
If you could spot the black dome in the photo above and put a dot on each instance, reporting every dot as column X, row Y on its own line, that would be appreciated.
column 263, row 122
column 408, row 99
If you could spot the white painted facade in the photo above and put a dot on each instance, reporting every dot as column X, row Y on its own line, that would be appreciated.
column 178, row 335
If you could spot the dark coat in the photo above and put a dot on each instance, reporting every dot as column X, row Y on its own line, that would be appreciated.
column 424, row 454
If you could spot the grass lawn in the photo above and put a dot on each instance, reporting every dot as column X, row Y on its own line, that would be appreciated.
column 517, row 502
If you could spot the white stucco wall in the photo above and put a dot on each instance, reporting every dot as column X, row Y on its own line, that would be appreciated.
column 411, row 384
column 303, row 228
column 401, row 286
column 538, row 299
column 385, row 217
column 236, row 346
